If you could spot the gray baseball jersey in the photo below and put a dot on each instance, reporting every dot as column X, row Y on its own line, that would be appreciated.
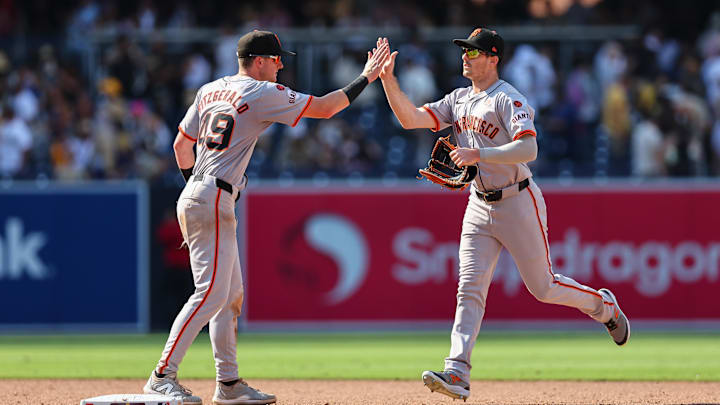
column 489, row 118
column 226, row 119
column 516, row 222
column 229, row 115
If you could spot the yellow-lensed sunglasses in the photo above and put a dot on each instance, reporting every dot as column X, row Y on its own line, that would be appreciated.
column 473, row 53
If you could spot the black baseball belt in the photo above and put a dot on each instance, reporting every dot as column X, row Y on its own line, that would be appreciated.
column 220, row 183
column 497, row 195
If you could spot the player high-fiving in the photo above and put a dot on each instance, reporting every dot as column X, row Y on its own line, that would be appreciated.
column 493, row 125
column 225, row 121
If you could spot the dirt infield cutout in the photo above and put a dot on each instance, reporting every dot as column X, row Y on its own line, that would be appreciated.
column 321, row 392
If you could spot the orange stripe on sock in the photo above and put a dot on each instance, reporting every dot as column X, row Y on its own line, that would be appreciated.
column 212, row 282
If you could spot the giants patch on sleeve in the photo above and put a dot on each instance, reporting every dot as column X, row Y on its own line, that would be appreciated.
column 291, row 96
column 520, row 117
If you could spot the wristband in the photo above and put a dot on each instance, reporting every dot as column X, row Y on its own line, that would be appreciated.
column 355, row 87
column 187, row 173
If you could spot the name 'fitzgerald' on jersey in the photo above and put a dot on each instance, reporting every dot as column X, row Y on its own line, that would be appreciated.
column 229, row 96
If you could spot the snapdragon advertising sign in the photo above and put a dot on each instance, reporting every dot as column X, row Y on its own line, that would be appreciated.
column 392, row 255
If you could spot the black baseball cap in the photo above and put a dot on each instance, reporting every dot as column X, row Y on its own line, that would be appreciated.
column 260, row 43
column 485, row 40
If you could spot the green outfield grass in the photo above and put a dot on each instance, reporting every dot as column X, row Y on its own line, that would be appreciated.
column 497, row 356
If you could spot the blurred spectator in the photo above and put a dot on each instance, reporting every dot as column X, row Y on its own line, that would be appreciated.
column 709, row 41
column 84, row 18
column 616, row 120
column 48, row 68
column 226, row 61
column 711, row 75
column 666, row 50
column 582, row 90
column 25, row 101
column 82, row 21
column 689, row 73
column 610, row 64
column 419, row 82
column 81, row 148
column 15, row 142
column 146, row 16
column 415, row 73
column 197, row 71
column 532, row 73
column 648, row 146
column 125, row 62
column 693, row 116
column 152, row 141
column 561, row 137
column 110, row 116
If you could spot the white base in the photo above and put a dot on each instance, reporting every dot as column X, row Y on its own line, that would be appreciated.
column 132, row 399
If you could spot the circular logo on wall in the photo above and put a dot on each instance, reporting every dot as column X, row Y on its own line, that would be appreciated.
column 329, row 253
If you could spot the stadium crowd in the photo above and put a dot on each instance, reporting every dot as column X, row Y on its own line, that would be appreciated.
column 645, row 107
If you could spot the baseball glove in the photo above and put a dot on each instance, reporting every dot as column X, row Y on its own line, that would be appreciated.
column 443, row 171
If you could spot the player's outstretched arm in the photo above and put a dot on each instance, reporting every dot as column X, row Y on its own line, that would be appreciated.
column 332, row 103
column 407, row 113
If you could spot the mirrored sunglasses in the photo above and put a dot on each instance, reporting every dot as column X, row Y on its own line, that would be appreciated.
column 275, row 58
column 473, row 53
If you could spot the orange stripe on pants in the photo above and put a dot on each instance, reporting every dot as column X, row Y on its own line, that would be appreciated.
column 547, row 252
column 212, row 281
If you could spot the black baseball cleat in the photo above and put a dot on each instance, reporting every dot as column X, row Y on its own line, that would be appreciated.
column 618, row 326
column 446, row 383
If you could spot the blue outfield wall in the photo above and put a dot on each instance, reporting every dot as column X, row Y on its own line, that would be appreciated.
column 74, row 257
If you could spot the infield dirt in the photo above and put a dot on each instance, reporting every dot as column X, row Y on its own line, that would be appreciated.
column 52, row 392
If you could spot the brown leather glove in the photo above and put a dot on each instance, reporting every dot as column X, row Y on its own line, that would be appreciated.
column 443, row 171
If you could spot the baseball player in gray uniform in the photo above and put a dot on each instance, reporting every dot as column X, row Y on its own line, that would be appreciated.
column 224, row 123
column 493, row 125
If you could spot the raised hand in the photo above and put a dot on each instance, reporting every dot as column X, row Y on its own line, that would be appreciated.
column 389, row 65
column 376, row 60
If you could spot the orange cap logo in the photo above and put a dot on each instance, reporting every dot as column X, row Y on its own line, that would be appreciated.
column 476, row 32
